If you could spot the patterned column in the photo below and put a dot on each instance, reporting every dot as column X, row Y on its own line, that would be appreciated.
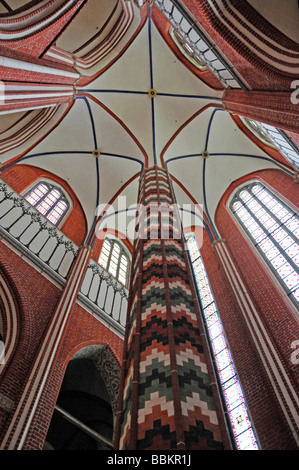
column 166, row 399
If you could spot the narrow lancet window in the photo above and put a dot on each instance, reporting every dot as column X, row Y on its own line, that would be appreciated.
column 233, row 396
column 114, row 259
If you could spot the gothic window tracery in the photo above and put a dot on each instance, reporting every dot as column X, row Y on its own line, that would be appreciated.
column 273, row 227
column 114, row 259
column 187, row 50
column 49, row 200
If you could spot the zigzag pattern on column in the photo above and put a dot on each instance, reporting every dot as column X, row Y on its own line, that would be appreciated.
column 174, row 403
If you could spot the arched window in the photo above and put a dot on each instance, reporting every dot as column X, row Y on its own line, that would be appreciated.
column 275, row 138
column 257, row 131
column 273, row 227
column 114, row 259
column 48, row 200
column 186, row 49
column 232, row 392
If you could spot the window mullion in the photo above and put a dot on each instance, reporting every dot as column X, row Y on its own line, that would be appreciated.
column 270, row 236
column 110, row 254
column 233, row 398
column 39, row 201
column 118, row 264
column 281, row 224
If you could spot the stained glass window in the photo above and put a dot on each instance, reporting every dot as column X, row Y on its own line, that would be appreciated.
column 186, row 50
column 114, row 259
column 254, row 127
column 49, row 201
column 275, row 138
column 274, row 229
column 232, row 392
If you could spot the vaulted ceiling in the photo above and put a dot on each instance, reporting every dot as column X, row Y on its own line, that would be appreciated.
column 115, row 114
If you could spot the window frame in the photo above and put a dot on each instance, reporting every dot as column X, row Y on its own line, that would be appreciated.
column 54, row 185
column 232, row 381
column 192, row 57
column 259, row 135
column 276, row 278
column 123, row 252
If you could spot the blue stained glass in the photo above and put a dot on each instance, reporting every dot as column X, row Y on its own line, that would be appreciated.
column 241, row 426
column 223, row 359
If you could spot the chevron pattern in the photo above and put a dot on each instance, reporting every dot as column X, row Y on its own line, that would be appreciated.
column 167, row 398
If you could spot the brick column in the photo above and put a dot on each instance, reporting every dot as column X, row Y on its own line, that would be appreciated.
column 168, row 395
column 23, row 420
column 273, row 108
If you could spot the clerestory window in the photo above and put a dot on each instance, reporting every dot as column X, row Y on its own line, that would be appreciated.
column 273, row 227
column 254, row 127
column 186, row 49
column 275, row 138
column 233, row 396
column 49, row 200
column 114, row 259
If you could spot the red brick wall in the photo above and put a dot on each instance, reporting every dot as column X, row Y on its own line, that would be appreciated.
column 258, row 74
column 82, row 330
column 20, row 177
column 36, row 298
column 18, row 75
column 36, row 44
column 276, row 313
column 275, row 109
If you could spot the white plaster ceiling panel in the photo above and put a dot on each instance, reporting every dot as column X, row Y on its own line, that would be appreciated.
column 121, row 214
column 283, row 15
column 7, row 120
column 188, row 172
column 20, row 139
column 221, row 171
column 88, row 23
column 129, row 108
column 111, row 135
column 191, row 139
column 170, row 75
column 187, row 207
column 171, row 114
column 131, row 71
column 226, row 137
column 114, row 173
column 73, row 133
